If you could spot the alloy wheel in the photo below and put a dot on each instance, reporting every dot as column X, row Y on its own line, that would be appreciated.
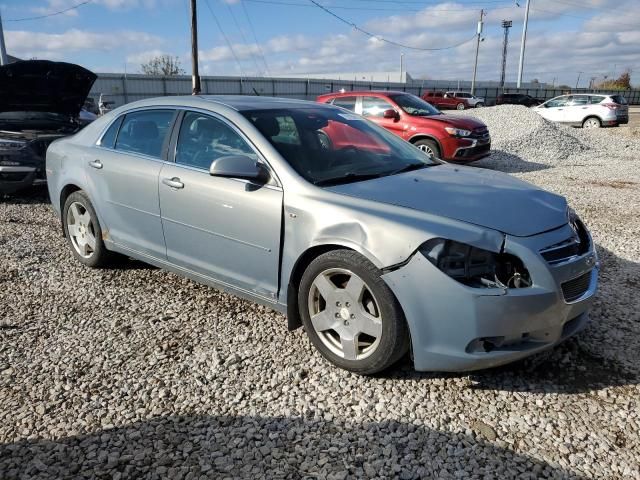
column 427, row 149
column 81, row 230
column 591, row 123
column 345, row 314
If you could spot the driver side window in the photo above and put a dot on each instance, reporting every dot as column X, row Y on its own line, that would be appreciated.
column 558, row 102
column 203, row 139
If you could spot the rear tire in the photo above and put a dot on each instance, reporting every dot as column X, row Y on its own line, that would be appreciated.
column 358, row 324
column 591, row 122
column 460, row 106
column 83, row 232
column 429, row 147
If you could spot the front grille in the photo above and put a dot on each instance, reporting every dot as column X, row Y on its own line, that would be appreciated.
column 576, row 245
column 574, row 289
column 480, row 133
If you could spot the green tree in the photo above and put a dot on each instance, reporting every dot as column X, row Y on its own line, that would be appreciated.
column 162, row 65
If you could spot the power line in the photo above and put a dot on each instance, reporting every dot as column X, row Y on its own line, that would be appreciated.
column 226, row 39
column 255, row 38
column 52, row 14
column 244, row 39
column 381, row 39
column 378, row 9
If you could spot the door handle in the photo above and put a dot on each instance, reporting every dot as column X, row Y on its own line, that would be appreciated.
column 96, row 164
column 173, row 182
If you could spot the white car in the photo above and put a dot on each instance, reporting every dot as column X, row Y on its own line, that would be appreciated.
column 472, row 100
column 586, row 110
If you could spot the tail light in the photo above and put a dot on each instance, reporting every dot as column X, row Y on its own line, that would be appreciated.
column 611, row 106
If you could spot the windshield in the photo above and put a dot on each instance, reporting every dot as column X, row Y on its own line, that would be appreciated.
column 328, row 146
column 415, row 106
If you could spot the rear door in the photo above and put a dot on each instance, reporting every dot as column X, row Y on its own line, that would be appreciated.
column 223, row 228
column 577, row 109
column 124, row 176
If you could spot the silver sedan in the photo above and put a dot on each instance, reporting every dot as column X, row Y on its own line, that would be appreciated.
column 355, row 234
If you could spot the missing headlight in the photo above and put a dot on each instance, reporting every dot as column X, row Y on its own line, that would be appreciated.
column 476, row 267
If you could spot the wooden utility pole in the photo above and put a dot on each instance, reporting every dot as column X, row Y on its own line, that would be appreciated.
column 195, row 78
column 475, row 65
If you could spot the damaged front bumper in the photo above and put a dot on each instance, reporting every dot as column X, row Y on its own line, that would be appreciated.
column 459, row 328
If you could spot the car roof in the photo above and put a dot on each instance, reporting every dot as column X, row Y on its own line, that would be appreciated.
column 235, row 102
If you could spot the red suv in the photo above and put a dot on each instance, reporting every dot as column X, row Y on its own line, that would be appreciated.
column 445, row 100
column 449, row 137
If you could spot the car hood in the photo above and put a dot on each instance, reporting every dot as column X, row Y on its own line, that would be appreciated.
column 482, row 197
column 467, row 123
column 44, row 86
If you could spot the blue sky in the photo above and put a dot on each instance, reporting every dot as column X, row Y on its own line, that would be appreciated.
column 596, row 37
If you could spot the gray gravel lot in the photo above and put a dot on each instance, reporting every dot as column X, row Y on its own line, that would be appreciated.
column 134, row 372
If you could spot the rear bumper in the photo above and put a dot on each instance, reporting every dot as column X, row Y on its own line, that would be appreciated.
column 13, row 179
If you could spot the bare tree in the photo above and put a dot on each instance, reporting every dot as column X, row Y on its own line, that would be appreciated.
column 162, row 65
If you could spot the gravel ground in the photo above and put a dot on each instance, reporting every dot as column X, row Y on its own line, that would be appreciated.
column 135, row 372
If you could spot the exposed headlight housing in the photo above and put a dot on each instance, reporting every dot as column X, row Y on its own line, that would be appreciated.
column 476, row 267
column 457, row 132
column 6, row 144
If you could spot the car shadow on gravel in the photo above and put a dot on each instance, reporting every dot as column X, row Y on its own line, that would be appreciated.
column 576, row 365
column 269, row 447
column 509, row 163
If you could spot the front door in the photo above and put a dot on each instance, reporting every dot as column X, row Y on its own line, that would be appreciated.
column 123, row 172
column 224, row 228
column 373, row 108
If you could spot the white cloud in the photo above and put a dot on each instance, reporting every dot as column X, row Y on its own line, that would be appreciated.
column 20, row 42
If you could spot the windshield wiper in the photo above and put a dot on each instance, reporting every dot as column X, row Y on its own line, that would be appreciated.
column 348, row 178
column 411, row 167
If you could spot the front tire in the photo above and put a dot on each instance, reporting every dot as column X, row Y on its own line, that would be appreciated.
column 429, row 147
column 350, row 314
column 83, row 232
column 479, row 105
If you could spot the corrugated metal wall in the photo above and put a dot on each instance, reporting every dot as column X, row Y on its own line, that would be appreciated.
column 123, row 89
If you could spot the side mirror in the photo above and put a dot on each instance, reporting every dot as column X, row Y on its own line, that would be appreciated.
column 391, row 113
column 239, row 166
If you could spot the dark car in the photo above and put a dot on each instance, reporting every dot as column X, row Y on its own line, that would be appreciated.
column 40, row 101
column 517, row 99
column 450, row 137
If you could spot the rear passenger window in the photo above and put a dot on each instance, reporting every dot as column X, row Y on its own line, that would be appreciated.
column 109, row 137
column 144, row 132
column 204, row 139
column 594, row 99
column 346, row 102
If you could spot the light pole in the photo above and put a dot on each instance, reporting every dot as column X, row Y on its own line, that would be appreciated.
column 522, row 43
column 3, row 52
column 578, row 80
column 401, row 65
column 475, row 65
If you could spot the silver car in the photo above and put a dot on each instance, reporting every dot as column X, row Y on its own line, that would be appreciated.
column 586, row 110
column 375, row 248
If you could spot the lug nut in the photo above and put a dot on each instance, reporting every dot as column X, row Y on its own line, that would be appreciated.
column 347, row 304
column 353, row 316
column 337, row 315
column 338, row 304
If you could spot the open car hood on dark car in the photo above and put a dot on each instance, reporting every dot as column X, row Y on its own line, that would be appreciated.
column 490, row 199
column 44, row 86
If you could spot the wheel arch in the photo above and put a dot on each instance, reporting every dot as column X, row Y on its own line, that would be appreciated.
column 64, row 194
column 426, row 136
column 293, row 315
